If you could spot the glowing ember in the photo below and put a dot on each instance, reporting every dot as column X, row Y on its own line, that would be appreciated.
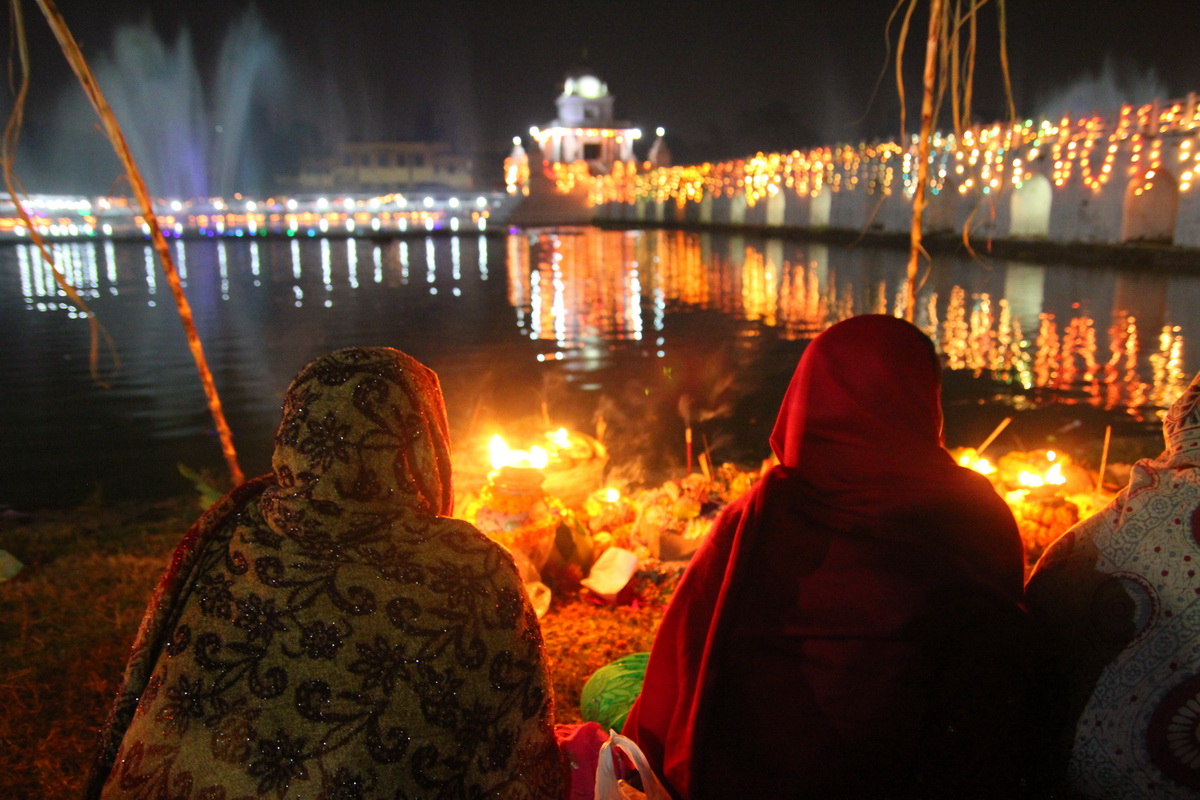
column 502, row 455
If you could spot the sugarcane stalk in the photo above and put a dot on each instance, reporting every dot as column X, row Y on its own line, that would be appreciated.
column 923, row 144
column 8, row 154
column 113, row 130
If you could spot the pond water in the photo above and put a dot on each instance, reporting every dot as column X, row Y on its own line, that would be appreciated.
column 635, row 333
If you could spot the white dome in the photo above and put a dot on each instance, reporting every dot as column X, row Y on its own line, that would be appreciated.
column 585, row 85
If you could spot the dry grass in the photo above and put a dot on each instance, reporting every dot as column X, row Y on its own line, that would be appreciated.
column 67, row 622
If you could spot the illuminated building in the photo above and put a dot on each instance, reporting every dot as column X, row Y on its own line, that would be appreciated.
column 585, row 129
column 385, row 167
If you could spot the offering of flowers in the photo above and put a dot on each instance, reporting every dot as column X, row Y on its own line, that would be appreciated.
column 673, row 519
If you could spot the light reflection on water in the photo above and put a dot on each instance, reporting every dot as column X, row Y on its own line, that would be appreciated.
column 1119, row 345
column 640, row 328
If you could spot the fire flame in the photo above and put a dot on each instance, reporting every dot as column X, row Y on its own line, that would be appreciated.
column 536, row 456
column 980, row 465
column 503, row 456
column 1052, row 476
column 612, row 495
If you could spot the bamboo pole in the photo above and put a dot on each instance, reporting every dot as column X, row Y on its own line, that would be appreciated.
column 936, row 13
column 1003, row 424
column 8, row 153
column 75, row 58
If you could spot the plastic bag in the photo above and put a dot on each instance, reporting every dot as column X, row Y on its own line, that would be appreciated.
column 538, row 592
column 610, row 787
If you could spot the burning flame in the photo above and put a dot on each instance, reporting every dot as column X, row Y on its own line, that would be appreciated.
column 612, row 495
column 554, row 444
column 1053, row 476
column 980, row 465
column 503, row 456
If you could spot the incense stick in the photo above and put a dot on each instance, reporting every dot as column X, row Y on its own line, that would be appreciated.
column 1003, row 424
column 1104, row 457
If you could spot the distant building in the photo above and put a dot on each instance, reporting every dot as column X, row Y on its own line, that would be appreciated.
column 386, row 167
column 585, row 129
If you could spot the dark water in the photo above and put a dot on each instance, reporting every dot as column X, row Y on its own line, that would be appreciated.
column 635, row 330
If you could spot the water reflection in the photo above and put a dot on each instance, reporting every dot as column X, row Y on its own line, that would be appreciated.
column 616, row 325
column 1114, row 342
column 1111, row 338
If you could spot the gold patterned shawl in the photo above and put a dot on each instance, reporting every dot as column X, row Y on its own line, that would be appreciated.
column 323, row 631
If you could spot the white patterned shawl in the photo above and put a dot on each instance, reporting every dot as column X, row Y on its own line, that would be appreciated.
column 1120, row 596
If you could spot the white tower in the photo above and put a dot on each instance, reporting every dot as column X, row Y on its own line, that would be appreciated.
column 585, row 129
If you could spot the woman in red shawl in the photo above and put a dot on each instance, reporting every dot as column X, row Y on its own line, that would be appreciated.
column 852, row 626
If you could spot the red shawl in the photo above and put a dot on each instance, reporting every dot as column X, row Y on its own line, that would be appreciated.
column 852, row 625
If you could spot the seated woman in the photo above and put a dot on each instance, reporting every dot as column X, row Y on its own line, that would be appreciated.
column 852, row 626
column 326, row 631
column 1119, row 597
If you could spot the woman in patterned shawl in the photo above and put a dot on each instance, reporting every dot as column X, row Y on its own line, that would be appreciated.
column 851, row 627
column 1120, row 597
column 326, row 631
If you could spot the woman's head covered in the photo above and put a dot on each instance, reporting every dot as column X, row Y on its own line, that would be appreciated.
column 870, row 382
column 1181, row 428
column 365, row 427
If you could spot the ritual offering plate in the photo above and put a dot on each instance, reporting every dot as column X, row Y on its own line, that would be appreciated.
column 674, row 519
column 572, row 463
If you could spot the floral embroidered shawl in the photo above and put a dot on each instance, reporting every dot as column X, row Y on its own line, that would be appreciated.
column 325, row 631
column 1120, row 596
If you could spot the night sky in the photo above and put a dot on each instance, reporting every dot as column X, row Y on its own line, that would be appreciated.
column 724, row 79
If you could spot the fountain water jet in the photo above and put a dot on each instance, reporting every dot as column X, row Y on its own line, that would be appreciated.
column 191, row 137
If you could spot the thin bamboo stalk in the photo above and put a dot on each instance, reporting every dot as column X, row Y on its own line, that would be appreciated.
column 936, row 13
column 75, row 58
column 8, row 154
column 992, row 437
column 1104, row 458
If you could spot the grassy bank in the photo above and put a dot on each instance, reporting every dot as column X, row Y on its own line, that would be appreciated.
column 68, row 619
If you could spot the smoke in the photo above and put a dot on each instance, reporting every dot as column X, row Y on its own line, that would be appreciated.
column 1118, row 82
